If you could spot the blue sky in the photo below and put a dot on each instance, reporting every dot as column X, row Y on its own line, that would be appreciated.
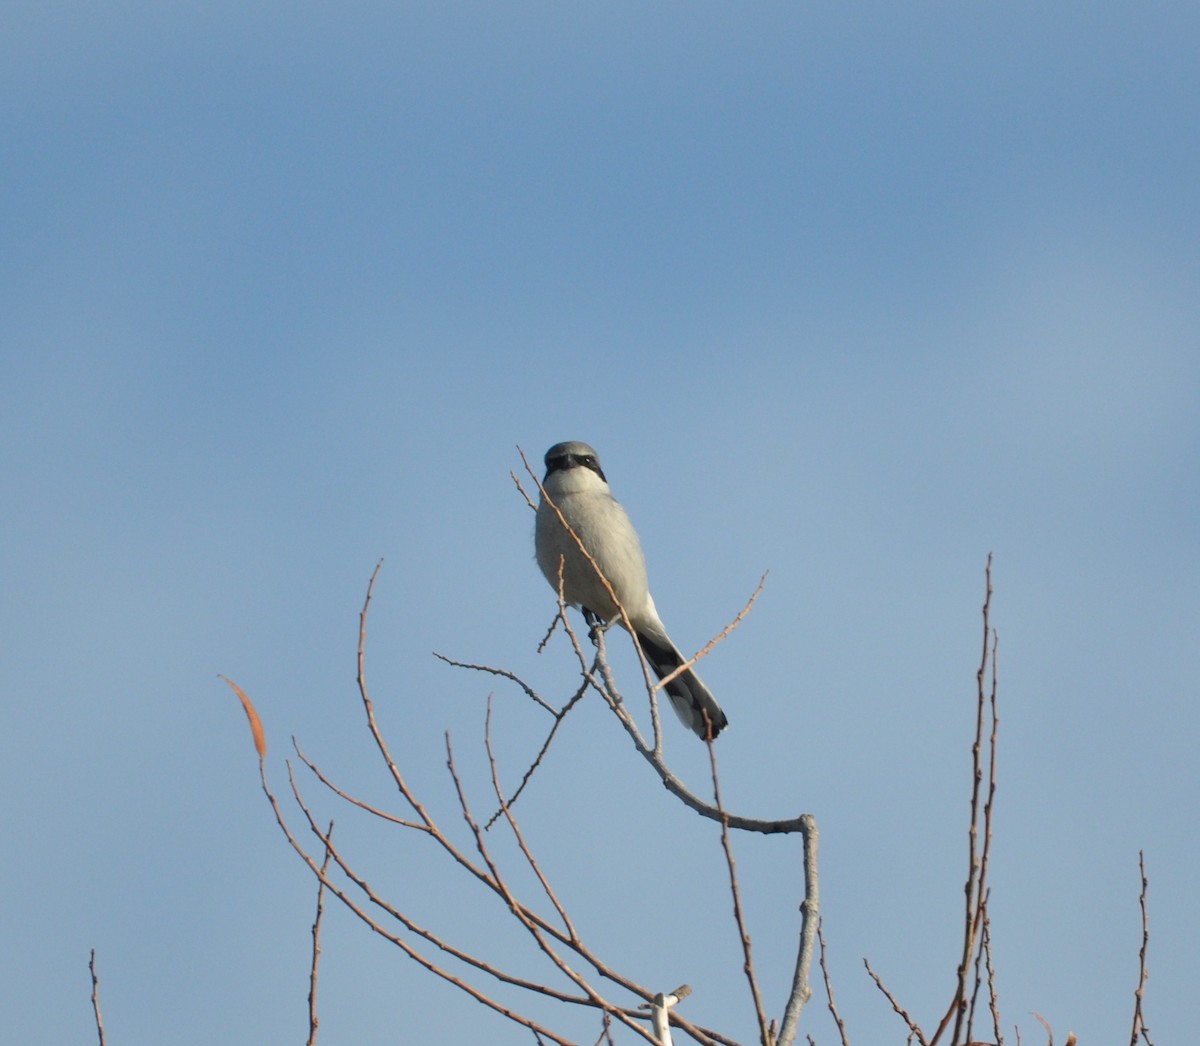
column 855, row 295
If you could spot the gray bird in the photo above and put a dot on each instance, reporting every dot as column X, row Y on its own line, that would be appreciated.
column 576, row 484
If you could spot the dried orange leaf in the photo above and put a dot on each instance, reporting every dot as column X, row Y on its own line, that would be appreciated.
column 256, row 727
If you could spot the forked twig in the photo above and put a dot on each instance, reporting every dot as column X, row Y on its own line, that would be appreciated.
column 535, row 927
column 375, row 926
column 559, row 715
column 518, row 835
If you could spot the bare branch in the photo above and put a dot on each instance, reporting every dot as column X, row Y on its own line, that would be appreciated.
column 720, row 636
column 516, row 480
column 395, row 939
column 837, row 1017
column 608, row 687
column 314, row 1022
column 559, row 716
column 336, row 875
column 738, row 916
column 503, row 673
column 606, row 1032
column 369, row 707
column 383, row 815
column 521, row 912
column 1139, row 1027
column 900, row 1010
column 810, row 921
column 993, row 998
column 96, row 997
column 430, row 827
column 975, row 889
column 506, row 812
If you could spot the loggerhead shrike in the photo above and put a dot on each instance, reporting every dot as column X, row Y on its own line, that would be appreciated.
column 576, row 484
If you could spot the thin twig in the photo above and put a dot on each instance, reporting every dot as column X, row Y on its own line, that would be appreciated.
column 314, row 1022
column 374, row 811
column 900, row 1010
column 559, row 715
column 837, row 1017
column 988, row 806
column 1139, row 1026
column 980, row 975
column 96, row 997
column 506, row 812
column 369, row 708
column 993, row 998
column 738, row 916
column 973, row 890
column 395, row 939
column 520, row 911
column 503, row 673
column 704, row 651
column 606, row 1032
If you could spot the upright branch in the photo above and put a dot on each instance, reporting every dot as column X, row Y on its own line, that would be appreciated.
column 979, row 849
column 738, row 916
column 524, row 916
column 96, row 997
column 974, row 968
column 810, row 922
column 314, row 1021
column 833, row 1009
column 1139, row 1025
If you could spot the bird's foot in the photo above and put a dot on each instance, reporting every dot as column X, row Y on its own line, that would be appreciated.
column 595, row 625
